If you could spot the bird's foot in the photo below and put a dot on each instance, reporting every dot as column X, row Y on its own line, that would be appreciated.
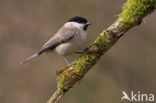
column 72, row 63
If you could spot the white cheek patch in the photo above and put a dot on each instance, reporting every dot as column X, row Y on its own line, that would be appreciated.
column 74, row 24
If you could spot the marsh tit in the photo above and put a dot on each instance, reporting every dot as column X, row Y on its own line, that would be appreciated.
column 67, row 40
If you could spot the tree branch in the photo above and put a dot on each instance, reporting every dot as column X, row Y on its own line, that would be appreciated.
column 133, row 13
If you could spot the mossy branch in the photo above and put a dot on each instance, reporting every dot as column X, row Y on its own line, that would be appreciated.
column 133, row 13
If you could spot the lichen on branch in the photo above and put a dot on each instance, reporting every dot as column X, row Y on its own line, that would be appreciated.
column 132, row 14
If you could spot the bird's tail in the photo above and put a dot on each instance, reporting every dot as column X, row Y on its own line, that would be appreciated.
column 29, row 58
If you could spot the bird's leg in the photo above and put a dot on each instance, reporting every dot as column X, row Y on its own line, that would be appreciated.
column 80, row 52
column 66, row 60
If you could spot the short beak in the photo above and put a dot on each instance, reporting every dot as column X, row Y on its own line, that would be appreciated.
column 88, row 23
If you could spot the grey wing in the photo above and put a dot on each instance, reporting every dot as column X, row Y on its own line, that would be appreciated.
column 62, row 36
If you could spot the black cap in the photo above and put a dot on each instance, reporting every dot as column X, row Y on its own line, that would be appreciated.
column 78, row 19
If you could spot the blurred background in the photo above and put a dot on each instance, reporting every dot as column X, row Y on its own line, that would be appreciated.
column 25, row 25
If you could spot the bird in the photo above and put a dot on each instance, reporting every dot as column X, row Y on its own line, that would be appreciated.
column 67, row 40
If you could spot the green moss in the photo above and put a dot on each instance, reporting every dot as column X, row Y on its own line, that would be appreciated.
column 101, row 41
column 89, row 57
column 136, row 9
